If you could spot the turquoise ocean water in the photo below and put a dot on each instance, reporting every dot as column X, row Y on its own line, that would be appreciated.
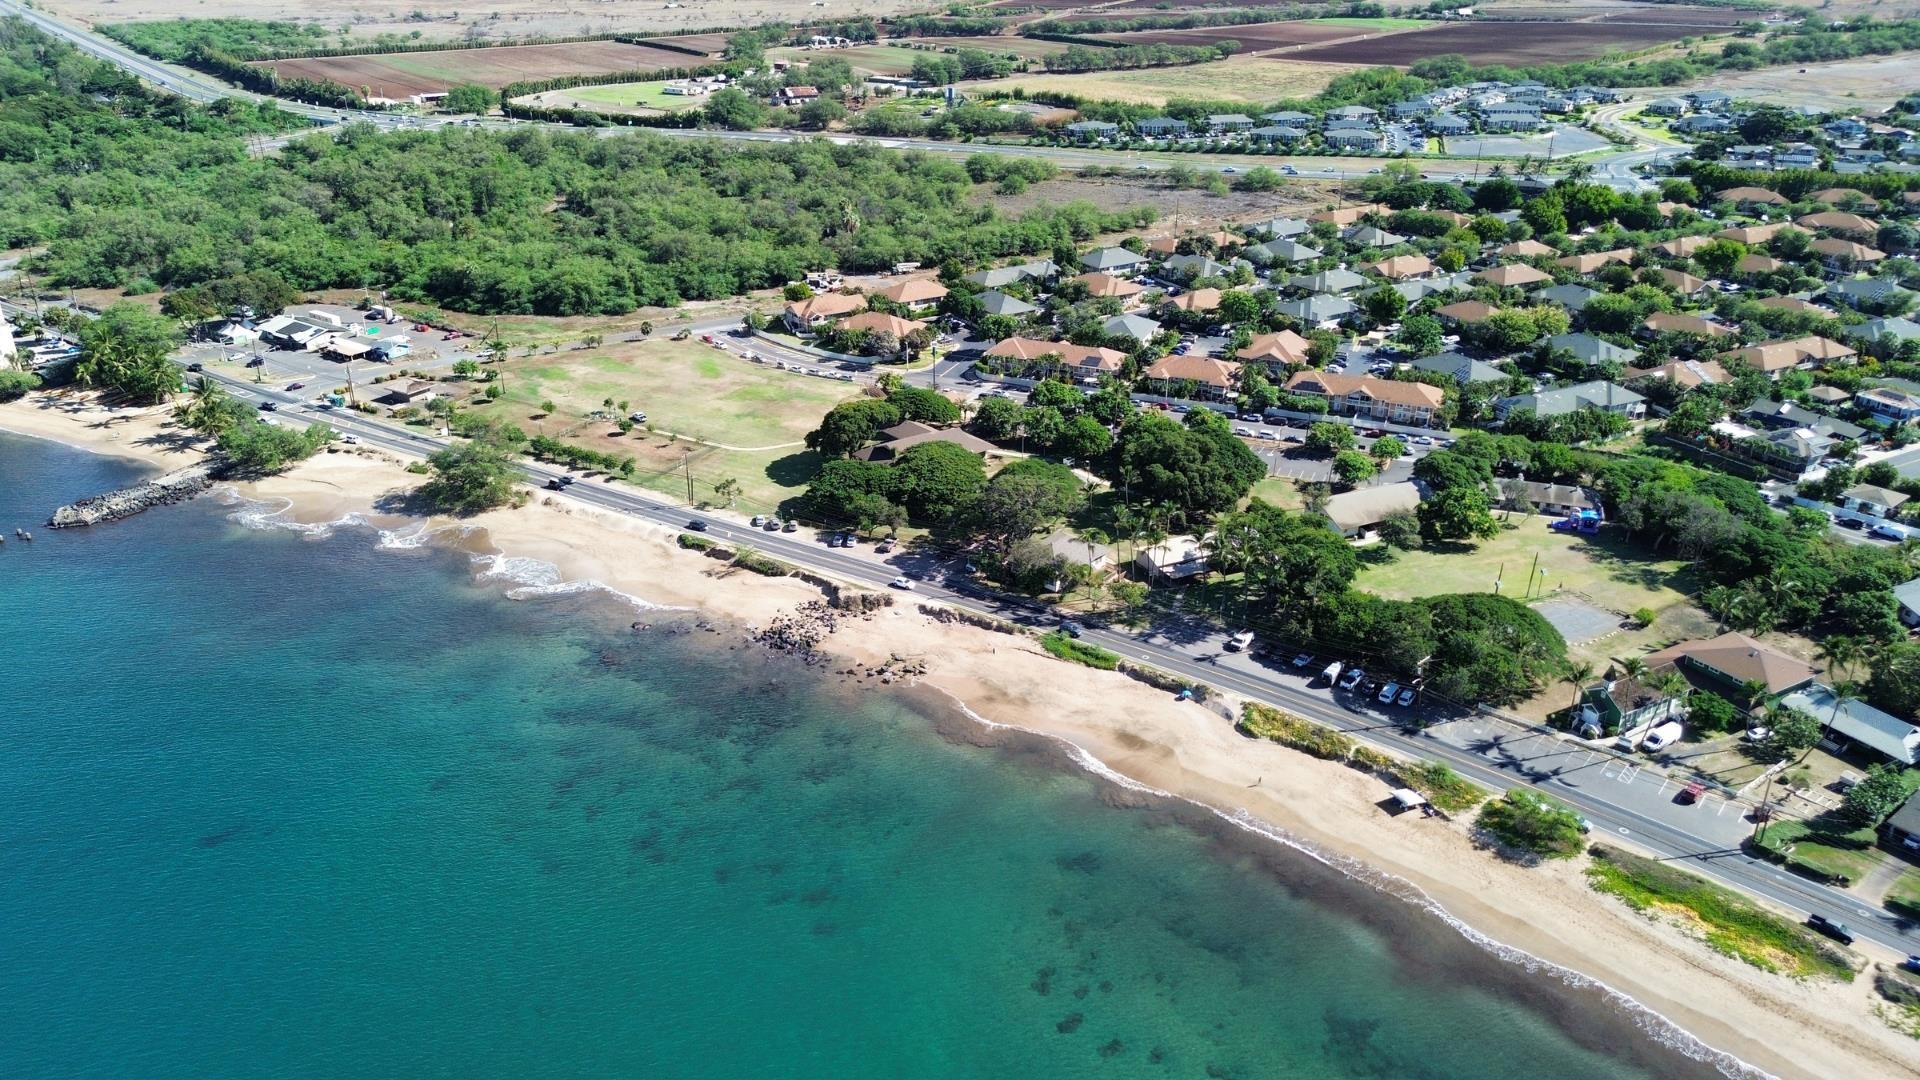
column 272, row 805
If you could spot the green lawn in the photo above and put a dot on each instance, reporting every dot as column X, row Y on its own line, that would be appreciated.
column 1903, row 898
column 692, row 391
column 1823, row 848
column 1609, row 572
column 645, row 95
column 877, row 59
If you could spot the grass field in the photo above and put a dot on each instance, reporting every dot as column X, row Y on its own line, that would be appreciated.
column 694, row 392
column 643, row 95
column 1029, row 48
column 1607, row 572
column 1247, row 79
column 873, row 59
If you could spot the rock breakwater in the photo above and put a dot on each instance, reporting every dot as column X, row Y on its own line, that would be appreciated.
column 177, row 486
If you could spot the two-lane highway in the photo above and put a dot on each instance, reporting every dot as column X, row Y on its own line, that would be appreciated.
column 1641, row 821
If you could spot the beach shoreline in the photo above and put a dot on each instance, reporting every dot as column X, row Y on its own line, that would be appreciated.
column 1121, row 730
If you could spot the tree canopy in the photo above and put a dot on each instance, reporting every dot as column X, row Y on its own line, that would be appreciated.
column 124, row 185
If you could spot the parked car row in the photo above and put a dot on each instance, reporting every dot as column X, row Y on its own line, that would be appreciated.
column 1351, row 679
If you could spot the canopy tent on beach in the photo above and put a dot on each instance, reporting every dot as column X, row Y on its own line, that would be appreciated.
column 1408, row 799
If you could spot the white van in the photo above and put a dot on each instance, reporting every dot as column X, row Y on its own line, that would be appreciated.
column 1331, row 673
column 1662, row 737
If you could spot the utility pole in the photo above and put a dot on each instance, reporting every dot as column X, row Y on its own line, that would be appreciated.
column 1532, row 573
column 686, row 463
column 1497, row 575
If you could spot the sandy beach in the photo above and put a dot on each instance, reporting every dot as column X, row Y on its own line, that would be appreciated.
column 1772, row 1023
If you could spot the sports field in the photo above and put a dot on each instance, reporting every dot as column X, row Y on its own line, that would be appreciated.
column 639, row 97
column 735, row 419
column 872, row 59
column 1252, row 80
column 1610, row 573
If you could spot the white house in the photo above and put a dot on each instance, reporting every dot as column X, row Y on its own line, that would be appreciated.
column 1177, row 558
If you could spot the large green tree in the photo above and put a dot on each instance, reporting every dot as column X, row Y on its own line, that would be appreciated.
column 128, row 350
column 1199, row 468
column 851, row 425
column 938, row 481
column 472, row 475
column 1489, row 648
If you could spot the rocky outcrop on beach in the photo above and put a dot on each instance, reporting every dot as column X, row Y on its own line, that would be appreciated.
column 177, row 486
column 801, row 630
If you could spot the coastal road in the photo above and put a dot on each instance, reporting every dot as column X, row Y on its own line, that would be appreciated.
column 1614, row 170
column 1620, row 799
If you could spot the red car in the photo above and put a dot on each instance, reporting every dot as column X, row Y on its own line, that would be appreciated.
column 1693, row 793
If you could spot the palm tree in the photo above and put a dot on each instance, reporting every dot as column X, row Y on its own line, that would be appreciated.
column 206, row 410
column 1840, row 653
column 1721, row 601
column 1633, row 668
column 1093, row 538
column 1670, row 684
column 1577, row 672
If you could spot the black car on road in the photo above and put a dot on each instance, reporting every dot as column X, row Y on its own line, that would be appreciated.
column 1834, row 930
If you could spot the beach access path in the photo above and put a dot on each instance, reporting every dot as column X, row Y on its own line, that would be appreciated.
column 1620, row 799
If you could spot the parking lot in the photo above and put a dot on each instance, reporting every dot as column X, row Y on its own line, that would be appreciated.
column 427, row 351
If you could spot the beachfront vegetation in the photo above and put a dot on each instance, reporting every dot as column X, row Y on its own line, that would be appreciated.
column 1443, row 787
column 473, row 475
column 1532, row 824
column 1299, row 733
column 1079, row 652
column 256, row 448
column 526, row 221
column 17, row 384
column 128, row 351
column 1732, row 924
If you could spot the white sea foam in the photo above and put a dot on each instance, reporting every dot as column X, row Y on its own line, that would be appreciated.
column 1656, row 1025
column 535, row 578
column 255, row 514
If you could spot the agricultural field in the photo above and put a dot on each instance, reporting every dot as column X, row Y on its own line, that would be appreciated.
column 711, row 44
column 1025, row 48
column 396, row 75
column 733, row 419
column 1172, row 7
column 1632, row 12
column 1513, row 44
column 496, row 20
column 1262, row 37
column 641, row 99
column 1251, row 80
column 872, row 59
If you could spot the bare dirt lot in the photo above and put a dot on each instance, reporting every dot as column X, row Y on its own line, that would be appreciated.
column 1174, row 6
column 399, row 74
column 496, row 19
column 1253, row 37
column 1871, row 83
column 1617, row 11
column 1250, row 80
column 1181, row 211
column 1517, row 44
